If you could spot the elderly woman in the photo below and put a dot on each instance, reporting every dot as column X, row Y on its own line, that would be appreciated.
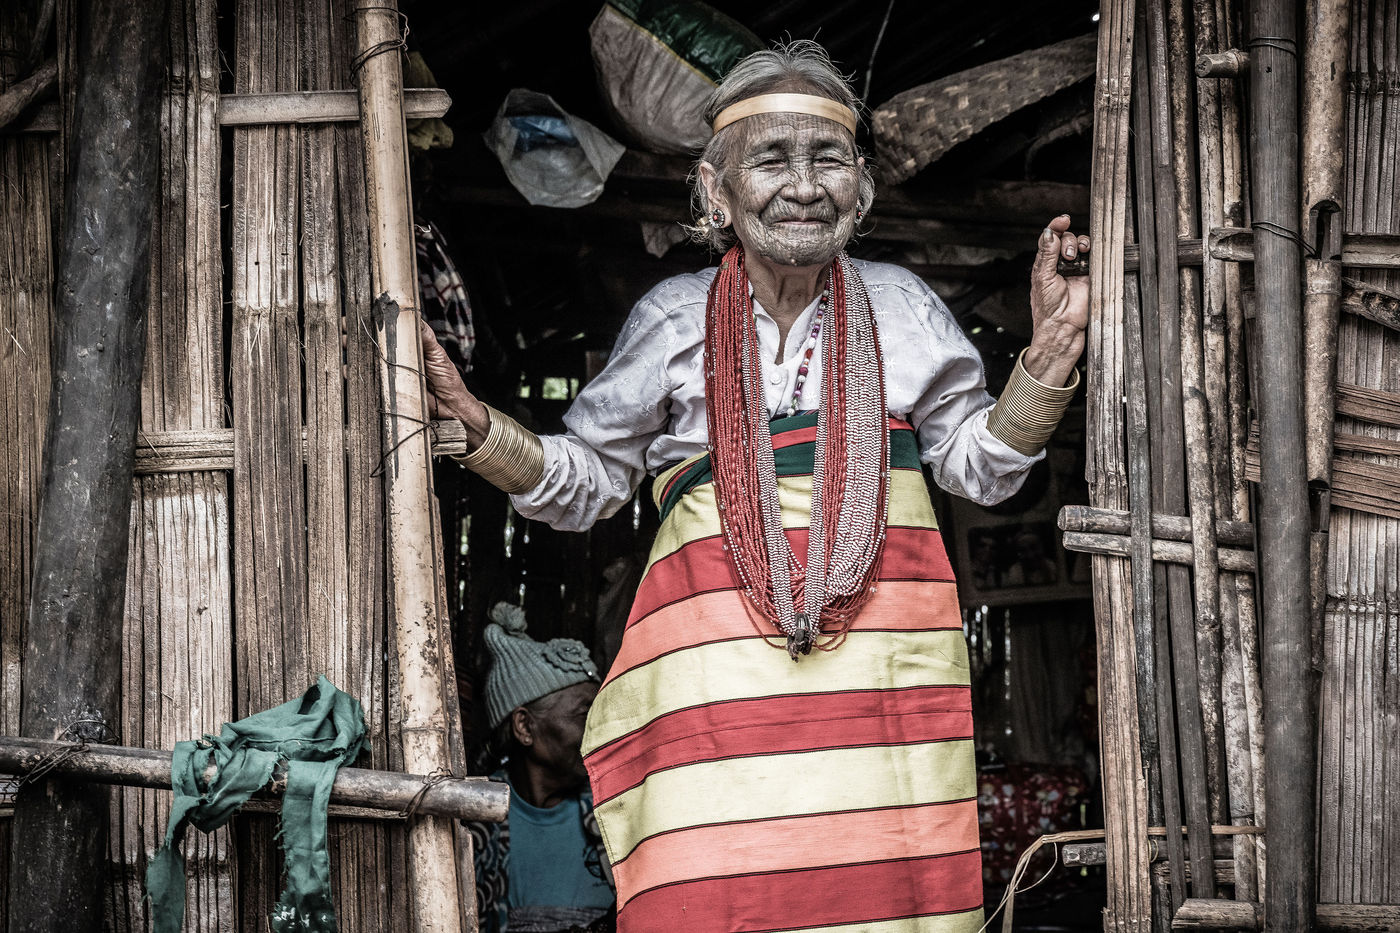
column 784, row 402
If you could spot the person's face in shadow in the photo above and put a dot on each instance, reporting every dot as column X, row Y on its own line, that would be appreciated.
column 550, row 732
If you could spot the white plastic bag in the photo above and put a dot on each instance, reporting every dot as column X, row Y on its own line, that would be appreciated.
column 557, row 161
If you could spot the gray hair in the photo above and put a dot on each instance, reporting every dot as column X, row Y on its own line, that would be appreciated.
column 800, row 64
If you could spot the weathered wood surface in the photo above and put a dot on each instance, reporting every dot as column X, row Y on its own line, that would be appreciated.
column 1129, row 906
column 72, row 663
column 1200, row 914
column 126, row 766
column 178, row 646
column 272, row 661
column 32, row 167
column 1359, row 723
column 19, row 96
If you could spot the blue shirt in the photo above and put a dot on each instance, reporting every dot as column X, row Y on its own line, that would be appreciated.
column 549, row 856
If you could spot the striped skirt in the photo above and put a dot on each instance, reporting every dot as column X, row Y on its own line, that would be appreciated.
column 738, row 791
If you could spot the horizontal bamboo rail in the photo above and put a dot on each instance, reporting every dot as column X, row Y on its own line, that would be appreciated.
column 287, row 107
column 1170, row 552
column 458, row 798
column 1170, row 527
column 1236, row 244
column 196, row 451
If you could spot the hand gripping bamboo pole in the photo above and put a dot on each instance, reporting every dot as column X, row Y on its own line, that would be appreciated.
column 432, row 878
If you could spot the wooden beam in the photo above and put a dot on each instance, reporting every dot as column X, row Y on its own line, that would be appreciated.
column 72, row 666
column 457, row 798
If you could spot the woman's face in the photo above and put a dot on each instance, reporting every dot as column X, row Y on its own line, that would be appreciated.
column 791, row 185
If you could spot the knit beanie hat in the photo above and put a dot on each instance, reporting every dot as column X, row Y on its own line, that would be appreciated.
column 522, row 669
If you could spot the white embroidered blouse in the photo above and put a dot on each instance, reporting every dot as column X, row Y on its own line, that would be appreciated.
column 646, row 410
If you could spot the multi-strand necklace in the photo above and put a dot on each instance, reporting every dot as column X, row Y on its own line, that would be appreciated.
column 850, row 476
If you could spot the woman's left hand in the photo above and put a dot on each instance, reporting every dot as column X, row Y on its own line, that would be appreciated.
column 1059, row 306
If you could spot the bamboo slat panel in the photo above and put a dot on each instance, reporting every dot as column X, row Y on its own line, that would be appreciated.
column 309, row 554
column 272, row 657
column 32, row 173
column 1359, row 715
column 178, row 639
column 1125, row 792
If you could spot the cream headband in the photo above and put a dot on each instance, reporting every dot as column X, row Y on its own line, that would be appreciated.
column 787, row 103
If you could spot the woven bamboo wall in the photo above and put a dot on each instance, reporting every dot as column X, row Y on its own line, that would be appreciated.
column 1359, row 719
column 257, row 555
column 30, row 190
column 1174, row 365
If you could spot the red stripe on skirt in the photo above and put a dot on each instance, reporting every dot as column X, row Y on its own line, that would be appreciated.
column 800, row 842
column 702, row 566
column 779, row 724
column 791, row 900
column 712, row 617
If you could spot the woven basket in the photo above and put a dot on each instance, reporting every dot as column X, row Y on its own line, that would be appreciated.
column 914, row 128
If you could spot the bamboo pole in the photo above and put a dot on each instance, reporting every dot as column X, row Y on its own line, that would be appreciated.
column 1327, row 24
column 461, row 799
column 72, row 665
column 408, row 499
column 1289, row 713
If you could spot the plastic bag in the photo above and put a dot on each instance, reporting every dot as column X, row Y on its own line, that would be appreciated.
column 552, row 158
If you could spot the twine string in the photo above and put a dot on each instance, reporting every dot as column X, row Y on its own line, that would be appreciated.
column 429, row 782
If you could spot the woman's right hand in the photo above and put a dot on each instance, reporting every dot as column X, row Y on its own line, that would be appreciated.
column 447, row 393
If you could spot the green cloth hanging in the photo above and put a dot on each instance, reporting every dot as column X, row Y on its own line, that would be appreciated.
column 315, row 735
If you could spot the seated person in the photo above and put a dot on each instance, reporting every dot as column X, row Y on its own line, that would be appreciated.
column 543, row 870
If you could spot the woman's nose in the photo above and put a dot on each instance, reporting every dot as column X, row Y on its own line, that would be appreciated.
column 802, row 183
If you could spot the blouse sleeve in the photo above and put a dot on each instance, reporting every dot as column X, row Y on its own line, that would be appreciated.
column 950, row 416
column 594, row 468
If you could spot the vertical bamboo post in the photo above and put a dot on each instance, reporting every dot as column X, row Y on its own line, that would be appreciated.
column 408, row 498
column 72, row 672
column 1289, row 715
column 1328, row 23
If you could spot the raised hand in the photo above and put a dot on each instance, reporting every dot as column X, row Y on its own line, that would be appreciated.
column 1059, row 306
